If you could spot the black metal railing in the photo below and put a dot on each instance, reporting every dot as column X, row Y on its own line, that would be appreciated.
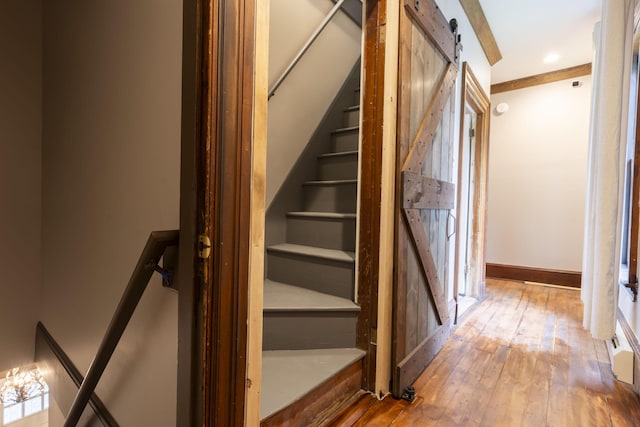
column 306, row 47
column 156, row 245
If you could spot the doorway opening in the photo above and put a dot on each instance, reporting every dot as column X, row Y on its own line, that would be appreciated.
column 469, row 281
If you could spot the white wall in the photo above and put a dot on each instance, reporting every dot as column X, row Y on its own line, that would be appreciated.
column 20, row 179
column 474, row 55
column 537, row 176
column 111, row 148
column 302, row 100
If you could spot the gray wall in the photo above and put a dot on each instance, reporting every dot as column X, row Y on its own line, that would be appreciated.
column 111, row 150
column 304, row 97
column 20, row 179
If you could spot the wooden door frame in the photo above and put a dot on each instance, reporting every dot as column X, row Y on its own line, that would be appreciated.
column 216, row 202
column 476, row 97
column 373, row 67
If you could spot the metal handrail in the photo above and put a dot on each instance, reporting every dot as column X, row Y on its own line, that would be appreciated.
column 306, row 47
column 44, row 338
column 148, row 263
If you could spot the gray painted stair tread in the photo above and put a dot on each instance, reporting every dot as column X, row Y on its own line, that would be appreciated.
column 352, row 108
column 334, row 182
column 287, row 375
column 280, row 296
column 345, row 130
column 339, row 154
column 311, row 251
column 332, row 215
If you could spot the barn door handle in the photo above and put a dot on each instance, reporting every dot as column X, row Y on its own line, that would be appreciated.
column 452, row 218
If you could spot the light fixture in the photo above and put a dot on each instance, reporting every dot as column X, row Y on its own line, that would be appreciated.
column 552, row 57
column 502, row 108
column 21, row 385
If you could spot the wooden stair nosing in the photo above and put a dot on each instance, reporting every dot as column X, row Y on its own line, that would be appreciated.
column 352, row 129
column 331, row 182
column 313, row 252
column 323, row 215
column 339, row 154
column 297, row 299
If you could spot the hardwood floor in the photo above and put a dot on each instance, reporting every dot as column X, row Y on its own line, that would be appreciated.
column 520, row 358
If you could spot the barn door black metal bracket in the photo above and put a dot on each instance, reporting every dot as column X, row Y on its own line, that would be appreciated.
column 409, row 394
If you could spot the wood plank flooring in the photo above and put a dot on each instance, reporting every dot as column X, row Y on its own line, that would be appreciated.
column 520, row 358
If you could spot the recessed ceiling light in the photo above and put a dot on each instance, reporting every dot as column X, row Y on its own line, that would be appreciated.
column 552, row 57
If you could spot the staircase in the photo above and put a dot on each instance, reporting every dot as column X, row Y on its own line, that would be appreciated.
column 310, row 317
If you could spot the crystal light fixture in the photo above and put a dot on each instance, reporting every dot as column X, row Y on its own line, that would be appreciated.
column 21, row 385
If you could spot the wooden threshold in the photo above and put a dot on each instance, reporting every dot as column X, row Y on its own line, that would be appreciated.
column 570, row 279
column 540, row 79
column 319, row 405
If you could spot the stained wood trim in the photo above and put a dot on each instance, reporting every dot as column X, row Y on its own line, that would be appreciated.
column 544, row 78
column 49, row 355
column 475, row 96
column 420, row 242
column 421, row 192
column 431, row 20
column 482, row 29
column 634, row 226
column 370, row 182
column 412, row 366
column 473, row 91
column 571, row 279
column 321, row 402
column 224, row 196
column 430, row 121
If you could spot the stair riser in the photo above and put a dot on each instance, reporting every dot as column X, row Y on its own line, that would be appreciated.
column 351, row 118
column 338, row 167
column 327, row 233
column 327, row 276
column 308, row 330
column 330, row 198
column 344, row 141
column 356, row 97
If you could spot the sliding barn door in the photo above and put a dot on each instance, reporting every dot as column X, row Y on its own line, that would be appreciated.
column 427, row 74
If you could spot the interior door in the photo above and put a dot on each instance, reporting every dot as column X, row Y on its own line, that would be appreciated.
column 467, row 158
column 427, row 70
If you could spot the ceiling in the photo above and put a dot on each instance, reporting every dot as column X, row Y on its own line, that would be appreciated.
column 528, row 30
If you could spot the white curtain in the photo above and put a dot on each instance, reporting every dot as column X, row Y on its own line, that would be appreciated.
column 613, row 39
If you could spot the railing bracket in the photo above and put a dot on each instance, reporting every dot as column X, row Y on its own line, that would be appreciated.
column 167, row 276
